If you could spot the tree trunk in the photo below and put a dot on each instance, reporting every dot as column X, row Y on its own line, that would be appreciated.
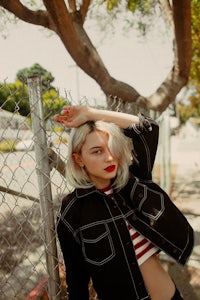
column 179, row 74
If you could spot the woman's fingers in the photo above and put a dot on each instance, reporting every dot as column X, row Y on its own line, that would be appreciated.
column 59, row 118
column 66, row 110
column 65, row 115
column 72, row 116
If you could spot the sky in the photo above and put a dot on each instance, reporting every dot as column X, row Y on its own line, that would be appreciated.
column 142, row 64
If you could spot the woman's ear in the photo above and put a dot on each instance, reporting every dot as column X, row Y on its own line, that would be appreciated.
column 78, row 159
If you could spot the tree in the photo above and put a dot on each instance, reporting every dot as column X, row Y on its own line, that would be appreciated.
column 14, row 97
column 46, row 76
column 67, row 18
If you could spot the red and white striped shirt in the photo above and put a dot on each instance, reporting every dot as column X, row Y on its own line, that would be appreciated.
column 143, row 247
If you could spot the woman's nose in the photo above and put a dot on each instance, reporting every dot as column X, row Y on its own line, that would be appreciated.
column 109, row 155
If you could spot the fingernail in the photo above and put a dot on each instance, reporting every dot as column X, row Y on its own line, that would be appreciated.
column 67, row 110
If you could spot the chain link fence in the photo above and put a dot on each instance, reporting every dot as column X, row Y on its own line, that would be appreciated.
column 30, row 194
column 32, row 184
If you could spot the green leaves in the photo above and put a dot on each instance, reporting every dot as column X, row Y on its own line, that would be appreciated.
column 143, row 6
column 195, row 66
column 14, row 96
column 36, row 69
column 52, row 103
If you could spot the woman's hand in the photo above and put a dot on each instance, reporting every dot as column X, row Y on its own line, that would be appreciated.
column 73, row 116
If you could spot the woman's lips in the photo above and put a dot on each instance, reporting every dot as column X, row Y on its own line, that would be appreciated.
column 110, row 168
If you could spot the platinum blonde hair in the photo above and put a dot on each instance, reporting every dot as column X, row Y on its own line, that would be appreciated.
column 119, row 145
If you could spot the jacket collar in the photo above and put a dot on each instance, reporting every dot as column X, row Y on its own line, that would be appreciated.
column 80, row 193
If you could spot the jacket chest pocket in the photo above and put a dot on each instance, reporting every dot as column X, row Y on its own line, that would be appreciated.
column 149, row 202
column 97, row 244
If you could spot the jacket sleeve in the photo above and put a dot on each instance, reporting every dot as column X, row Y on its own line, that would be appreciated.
column 145, row 141
column 77, row 277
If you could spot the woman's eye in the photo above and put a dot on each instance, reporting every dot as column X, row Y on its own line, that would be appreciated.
column 97, row 152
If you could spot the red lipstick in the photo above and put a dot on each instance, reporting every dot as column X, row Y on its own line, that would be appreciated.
column 110, row 168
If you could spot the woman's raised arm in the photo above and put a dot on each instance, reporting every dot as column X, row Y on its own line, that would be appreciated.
column 74, row 116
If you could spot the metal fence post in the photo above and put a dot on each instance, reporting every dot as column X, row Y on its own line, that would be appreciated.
column 165, row 157
column 167, row 151
column 44, row 182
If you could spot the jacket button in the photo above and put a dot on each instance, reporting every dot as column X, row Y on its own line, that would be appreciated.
column 134, row 217
column 175, row 251
column 124, row 204
column 140, row 195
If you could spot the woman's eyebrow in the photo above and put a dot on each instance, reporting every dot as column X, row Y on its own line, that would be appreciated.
column 95, row 147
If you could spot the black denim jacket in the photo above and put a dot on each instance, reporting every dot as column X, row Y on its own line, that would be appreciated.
column 94, row 237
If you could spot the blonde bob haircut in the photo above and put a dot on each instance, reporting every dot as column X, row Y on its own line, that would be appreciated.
column 119, row 145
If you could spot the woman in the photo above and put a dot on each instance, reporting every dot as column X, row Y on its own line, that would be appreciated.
column 114, row 223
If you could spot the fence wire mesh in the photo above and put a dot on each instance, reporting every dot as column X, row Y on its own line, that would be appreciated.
column 23, row 221
column 30, row 195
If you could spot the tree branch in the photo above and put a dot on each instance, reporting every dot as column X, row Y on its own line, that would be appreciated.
column 182, row 25
column 72, row 5
column 182, row 43
column 39, row 17
column 59, row 13
column 167, row 14
column 56, row 162
column 84, row 9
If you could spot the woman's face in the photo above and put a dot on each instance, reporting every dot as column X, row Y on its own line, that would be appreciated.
column 96, row 158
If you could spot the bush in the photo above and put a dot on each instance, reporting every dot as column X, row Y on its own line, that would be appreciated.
column 7, row 146
column 59, row 128
column 14, row 98
column 60, row 140
column 192, row 109
column 185, row 112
